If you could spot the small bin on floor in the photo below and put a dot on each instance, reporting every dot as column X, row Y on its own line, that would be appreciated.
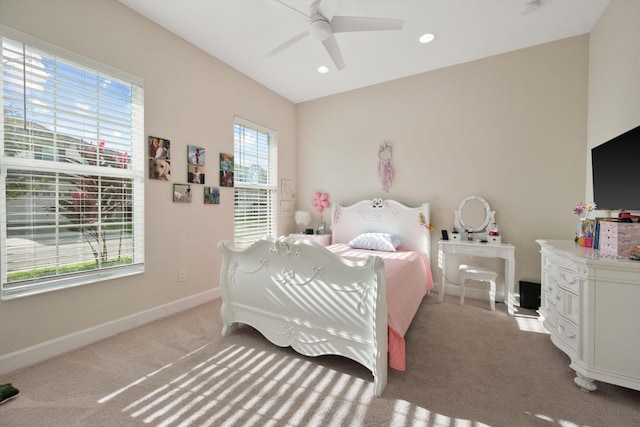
column 530, row 295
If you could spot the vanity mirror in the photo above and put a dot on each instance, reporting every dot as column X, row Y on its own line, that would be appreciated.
column 474, row 214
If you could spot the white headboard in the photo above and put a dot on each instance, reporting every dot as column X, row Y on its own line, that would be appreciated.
column 383, row 216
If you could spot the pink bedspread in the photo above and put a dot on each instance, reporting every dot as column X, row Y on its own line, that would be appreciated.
column 408, row 278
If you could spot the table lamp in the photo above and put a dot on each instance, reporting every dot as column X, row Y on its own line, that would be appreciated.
column 303, row 219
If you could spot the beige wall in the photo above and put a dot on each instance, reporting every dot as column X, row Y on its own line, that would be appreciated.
column 511, row 128
column 614, row 76
column 190, row 98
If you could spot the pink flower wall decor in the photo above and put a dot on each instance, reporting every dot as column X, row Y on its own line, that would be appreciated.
column 321, row 201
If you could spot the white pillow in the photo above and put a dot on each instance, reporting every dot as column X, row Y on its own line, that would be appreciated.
column 377, row 242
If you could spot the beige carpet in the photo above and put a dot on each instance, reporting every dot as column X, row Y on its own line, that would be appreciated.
column 466, row 366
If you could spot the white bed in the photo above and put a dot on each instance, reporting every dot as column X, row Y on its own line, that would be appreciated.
column 300, row 294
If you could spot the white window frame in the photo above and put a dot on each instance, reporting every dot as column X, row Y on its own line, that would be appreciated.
column 133, row 144
column 245, row 188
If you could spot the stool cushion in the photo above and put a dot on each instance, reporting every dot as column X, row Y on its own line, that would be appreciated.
column 478, row 273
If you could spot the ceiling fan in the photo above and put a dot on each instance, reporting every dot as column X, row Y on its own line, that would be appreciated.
column 323, row 29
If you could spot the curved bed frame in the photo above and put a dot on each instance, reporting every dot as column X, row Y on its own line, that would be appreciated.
column 299, row 294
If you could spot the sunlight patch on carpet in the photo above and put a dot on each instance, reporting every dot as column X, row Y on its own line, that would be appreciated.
column 407, row 414
column 246, row 386
column 528, row 323
column 562, row 423
column 240, row 385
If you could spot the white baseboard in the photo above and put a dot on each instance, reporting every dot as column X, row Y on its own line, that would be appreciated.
column 45, row 350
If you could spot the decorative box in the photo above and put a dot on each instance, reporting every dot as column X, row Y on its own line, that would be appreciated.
column 619, row 238
column 455, row 236
column 585, row 242
column 494, row 239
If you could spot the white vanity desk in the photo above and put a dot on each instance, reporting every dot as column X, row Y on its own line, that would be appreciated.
column 505, row 251
column 474, row 214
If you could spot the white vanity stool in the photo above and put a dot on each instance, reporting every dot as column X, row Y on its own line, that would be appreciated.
column 480, row 274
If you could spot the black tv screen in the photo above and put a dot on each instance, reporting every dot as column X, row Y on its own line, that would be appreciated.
column 616, row 172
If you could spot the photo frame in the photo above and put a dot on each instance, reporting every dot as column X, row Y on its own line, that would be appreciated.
column 196, row 155
column 195, row 164
column 195, row 174
column 211, row 195
column 321, row 226
column 286, row 190
column 160, row 169
column 227, row 162
column 159, row 148
column 286, row 208
column 181, row 193
column 227, row 167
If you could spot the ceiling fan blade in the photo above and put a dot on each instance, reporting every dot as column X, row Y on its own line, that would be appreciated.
column 288, row 43
column 345, row 24
column 327, row 8
column 331, row 45
column 313, row 7
column 291, row 8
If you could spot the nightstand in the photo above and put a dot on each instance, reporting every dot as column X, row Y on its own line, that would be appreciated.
column 321, row 239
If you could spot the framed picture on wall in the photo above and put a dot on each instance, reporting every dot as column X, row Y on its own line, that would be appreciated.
column 159, row 148
column 286, row 208
column 211, row 195
column 195, row 155
column 181, row 193
column 195, row 174
column 160, row 169
column 286, row 190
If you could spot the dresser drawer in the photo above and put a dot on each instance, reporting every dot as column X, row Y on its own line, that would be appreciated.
column 567, row 331
column 569, row 280
column 484, row 250
column 550, row 287
column 569, row 306
column 550, row 318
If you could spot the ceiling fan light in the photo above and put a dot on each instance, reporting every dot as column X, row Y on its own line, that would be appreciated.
column 427, row 38
column 320, row 29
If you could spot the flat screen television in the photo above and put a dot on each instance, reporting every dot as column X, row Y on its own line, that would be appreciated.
column 616, row 172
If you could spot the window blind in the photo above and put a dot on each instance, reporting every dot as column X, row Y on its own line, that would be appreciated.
column 72, row 174
column 255, row 166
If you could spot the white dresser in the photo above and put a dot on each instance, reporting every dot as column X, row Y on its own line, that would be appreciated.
column 590, row 304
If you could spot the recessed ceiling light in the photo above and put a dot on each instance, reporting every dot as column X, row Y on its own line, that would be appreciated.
column 323, row 69
column 426, row 38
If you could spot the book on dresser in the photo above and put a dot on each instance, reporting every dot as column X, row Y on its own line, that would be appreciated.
column 596, row 234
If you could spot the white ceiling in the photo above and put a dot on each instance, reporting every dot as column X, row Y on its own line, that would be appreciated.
column 242, row 32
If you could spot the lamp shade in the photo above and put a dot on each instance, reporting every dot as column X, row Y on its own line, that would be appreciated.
column 303, row 218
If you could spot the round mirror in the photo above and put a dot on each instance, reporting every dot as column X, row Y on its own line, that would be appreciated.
column 474, row 213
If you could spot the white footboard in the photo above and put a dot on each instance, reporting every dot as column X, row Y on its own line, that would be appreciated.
column 299, row 294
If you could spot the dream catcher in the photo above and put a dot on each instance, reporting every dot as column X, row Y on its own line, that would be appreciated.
column 385, row 169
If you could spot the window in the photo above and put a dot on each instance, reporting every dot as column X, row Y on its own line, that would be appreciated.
column 255, row 158
column 72, row 169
